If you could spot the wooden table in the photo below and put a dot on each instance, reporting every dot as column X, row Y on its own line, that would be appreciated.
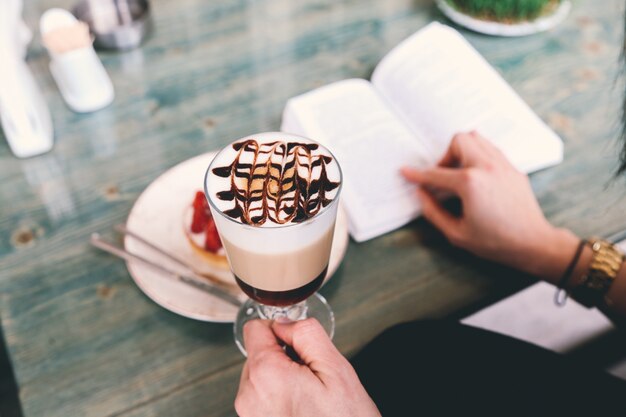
column 85, row 341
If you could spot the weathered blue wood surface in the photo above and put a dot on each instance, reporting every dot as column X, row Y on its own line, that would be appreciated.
column 85, row 341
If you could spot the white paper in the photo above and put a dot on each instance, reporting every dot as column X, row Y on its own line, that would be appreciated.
column 531, row 315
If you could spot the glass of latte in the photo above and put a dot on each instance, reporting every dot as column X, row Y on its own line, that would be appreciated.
column 274, row 197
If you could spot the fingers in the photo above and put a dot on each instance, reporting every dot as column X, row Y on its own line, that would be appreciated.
column 259, row 338
column 469, row 149
column 449, row 179
column 310, row 341
column 439, row 216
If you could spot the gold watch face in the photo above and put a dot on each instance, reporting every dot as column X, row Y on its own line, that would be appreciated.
column 605, row 264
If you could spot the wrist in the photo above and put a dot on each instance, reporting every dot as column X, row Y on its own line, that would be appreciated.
column 551, row 253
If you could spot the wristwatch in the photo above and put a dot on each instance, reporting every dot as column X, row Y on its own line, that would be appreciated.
column 606, row 262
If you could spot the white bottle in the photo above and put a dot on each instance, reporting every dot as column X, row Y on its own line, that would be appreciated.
column 78, row 72
column 24, row 115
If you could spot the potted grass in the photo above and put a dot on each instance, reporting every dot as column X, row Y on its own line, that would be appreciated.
column 506, row 17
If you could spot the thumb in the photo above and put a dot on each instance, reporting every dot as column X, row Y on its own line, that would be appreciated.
column 310, row 341
column 259, row 339
column 436, row 214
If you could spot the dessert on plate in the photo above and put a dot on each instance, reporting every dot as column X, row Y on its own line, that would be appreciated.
column 202, row 234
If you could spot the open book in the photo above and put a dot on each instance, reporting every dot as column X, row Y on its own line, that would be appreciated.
column 431, row 86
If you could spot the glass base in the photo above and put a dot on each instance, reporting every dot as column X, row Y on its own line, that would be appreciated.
column 315, row 306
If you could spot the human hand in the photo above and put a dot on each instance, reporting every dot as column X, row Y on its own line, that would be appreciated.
column 272, row 384
column 501, row 219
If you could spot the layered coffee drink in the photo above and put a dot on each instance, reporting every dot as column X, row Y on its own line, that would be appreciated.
column 274, row 201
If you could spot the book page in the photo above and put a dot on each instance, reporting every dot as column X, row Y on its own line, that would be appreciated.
column 371, row 145
column 440, row 85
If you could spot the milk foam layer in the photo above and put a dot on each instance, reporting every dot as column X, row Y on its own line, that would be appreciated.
column 273, row 179
column 283, row 271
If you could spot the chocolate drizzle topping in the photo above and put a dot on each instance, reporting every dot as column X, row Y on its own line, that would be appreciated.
column 278, row 181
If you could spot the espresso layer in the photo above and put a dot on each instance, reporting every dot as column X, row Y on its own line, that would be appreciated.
column 282, row 298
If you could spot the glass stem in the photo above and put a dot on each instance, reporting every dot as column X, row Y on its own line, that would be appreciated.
column 286, row 313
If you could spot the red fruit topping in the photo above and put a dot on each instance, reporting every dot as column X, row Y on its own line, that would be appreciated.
column 212, row 241
column 201, row 213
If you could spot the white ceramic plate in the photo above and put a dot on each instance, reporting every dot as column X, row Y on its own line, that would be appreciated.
column 502, row 29
column 158, row 217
